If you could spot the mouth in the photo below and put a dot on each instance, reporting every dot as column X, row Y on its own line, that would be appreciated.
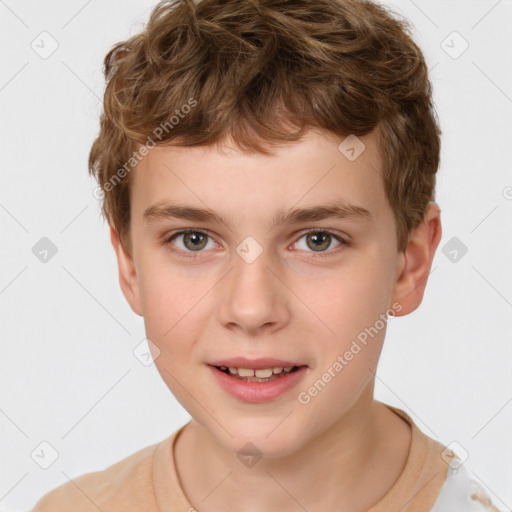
column 258, row 381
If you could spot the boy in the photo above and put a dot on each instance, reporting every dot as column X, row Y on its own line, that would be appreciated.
column 238, row 139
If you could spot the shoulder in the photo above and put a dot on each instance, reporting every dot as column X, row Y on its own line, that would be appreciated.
column 462, row 493
column 119, row 485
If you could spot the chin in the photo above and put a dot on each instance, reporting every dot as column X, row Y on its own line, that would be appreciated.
column 265, row 437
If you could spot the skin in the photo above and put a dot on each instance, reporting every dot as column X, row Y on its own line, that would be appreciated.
column 341, row 451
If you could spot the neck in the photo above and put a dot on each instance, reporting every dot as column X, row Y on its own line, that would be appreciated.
column 350, row 466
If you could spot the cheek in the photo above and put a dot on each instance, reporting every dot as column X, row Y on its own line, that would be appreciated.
column 167, row 307
column 175, row 309
column 352, row 307
column 167, row 294
column 347, row 301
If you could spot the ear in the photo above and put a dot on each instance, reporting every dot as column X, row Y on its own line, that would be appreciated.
column 416, row 260
column 128, row 278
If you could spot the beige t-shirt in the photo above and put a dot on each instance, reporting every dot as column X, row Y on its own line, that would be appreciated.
column 147, row 480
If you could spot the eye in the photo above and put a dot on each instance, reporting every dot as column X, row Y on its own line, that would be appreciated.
column 193, row 240
column 320, row 241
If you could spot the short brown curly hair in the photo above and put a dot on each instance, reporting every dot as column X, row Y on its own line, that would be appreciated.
column 253, row 70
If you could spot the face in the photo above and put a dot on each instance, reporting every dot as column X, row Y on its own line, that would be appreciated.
column 263, row 282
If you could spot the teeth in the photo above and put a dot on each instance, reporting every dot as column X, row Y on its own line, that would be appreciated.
column 262, row 373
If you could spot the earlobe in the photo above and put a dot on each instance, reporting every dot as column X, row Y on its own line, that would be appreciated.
column 128, row 278
column 417, row 260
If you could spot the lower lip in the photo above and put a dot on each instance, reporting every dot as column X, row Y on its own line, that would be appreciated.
column 258, row 391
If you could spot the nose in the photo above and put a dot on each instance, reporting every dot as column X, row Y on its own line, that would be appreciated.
column 254, row 297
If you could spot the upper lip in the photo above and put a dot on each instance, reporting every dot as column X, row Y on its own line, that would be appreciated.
column 254, row 364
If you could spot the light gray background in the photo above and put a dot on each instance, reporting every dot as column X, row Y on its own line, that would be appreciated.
column 68, row 375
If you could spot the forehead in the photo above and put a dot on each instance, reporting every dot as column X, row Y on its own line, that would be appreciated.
column 313, row 171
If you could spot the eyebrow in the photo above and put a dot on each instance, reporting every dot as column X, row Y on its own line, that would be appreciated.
column 333, row 209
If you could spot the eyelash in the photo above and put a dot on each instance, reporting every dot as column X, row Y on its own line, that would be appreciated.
column 194, row 255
